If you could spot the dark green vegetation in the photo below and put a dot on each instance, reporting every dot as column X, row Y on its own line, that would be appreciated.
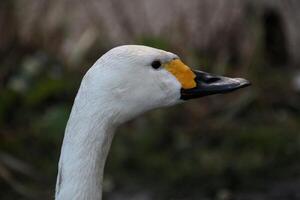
column 243, row 145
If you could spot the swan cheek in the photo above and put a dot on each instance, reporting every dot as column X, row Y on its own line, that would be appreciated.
column 170, row 87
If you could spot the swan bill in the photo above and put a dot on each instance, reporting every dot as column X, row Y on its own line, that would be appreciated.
column 209, row 84
column 182, row 72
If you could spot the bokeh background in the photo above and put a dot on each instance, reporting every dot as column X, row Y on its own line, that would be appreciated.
column 243, row 145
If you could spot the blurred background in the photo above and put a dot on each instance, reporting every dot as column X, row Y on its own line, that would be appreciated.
column 243, row 145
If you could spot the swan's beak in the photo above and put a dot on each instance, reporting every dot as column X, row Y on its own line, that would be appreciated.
column 208, row 84
column 196, row 84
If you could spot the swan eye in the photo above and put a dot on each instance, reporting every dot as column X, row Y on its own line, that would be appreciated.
column 156, row 64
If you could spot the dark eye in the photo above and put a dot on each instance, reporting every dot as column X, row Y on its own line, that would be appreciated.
column 156, row 64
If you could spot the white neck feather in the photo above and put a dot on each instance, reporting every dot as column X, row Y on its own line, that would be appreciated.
column 87, row 140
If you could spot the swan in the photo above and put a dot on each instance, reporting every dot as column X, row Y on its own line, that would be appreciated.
column 123, row 83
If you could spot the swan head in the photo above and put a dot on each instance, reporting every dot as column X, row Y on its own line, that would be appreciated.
column 133, row 79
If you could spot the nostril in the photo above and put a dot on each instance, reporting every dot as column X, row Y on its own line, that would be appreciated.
column 211, row 79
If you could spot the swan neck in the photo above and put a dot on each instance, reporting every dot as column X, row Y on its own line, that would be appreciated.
column 86, row 144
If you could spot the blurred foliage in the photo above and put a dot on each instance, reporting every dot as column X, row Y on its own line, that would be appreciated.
column 237, row 146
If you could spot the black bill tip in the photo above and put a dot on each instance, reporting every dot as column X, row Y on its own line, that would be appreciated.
column 208, row 84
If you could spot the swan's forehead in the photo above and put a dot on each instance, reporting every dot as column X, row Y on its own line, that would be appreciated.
column 144, row 54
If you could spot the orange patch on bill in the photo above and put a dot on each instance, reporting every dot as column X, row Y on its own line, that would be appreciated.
column 182, row 73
